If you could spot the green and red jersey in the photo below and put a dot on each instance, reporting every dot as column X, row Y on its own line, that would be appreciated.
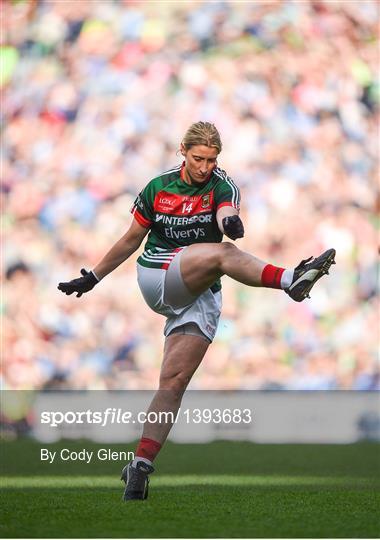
column 179, row 214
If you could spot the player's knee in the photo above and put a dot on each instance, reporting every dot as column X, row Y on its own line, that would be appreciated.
column 227, row 250
column 174, row 385
column 228, row 247
column 219, row 254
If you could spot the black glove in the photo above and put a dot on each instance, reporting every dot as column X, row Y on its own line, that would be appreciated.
column 233, row 227
column 80, row 285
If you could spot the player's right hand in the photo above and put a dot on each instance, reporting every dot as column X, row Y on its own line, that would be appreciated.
column 80, row 285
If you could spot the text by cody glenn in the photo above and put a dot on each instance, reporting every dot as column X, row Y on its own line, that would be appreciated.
column 84, row 455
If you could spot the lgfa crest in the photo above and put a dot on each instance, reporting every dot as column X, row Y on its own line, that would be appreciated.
column 206, row 200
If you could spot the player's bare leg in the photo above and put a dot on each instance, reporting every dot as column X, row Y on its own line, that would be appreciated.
column 182, row 356
column 203, row 264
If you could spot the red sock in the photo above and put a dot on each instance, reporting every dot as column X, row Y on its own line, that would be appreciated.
column 271, row 276
column 148, row 448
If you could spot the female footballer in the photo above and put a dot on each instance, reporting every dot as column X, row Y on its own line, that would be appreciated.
column 185, row 212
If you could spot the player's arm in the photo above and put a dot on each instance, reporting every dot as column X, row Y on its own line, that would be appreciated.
column 229, row 222
column 227, row 201
column 119, row 253
column 122, row 250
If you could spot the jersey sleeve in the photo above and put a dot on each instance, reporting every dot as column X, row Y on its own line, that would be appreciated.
column 226, row 192
column 142, row 208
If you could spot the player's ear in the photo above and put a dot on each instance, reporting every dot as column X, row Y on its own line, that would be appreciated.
column 183, row 149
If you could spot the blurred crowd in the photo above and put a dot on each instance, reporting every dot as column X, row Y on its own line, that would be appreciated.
column 97, row 95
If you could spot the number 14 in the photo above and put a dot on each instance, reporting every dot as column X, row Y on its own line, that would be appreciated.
column 187, row 208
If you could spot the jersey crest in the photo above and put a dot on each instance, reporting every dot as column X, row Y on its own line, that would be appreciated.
column 206, row 200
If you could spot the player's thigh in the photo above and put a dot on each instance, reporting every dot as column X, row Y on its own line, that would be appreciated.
column 201, row 265
column 182, row 355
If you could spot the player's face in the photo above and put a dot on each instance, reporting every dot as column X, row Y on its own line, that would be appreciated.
column 199, row 163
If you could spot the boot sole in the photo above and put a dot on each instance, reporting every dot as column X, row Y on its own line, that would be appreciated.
column 329, row 259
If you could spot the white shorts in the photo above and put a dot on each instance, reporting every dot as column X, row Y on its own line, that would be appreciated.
column 165, row 292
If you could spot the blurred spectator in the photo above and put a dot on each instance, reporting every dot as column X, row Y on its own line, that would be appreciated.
column 96, row 98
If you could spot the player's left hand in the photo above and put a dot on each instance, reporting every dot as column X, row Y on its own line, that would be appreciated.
column 233, row 227
column 80, row 285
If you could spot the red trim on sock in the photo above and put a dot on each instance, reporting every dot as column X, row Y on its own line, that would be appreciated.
column 271, row 276
column 148, row 448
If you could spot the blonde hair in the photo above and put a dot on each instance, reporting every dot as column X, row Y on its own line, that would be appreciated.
column 203, row 133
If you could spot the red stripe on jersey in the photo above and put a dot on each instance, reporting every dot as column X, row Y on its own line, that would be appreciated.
column 182, row 205
column 141, row 219
column 227, row 204
column 165, row 266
